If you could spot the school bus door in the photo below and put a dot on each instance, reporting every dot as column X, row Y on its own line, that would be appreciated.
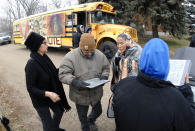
column 81, row 18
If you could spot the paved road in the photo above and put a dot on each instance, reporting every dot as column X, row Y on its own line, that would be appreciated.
column 12, row 62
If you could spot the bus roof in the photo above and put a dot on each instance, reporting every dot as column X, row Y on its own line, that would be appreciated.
column 82, row 7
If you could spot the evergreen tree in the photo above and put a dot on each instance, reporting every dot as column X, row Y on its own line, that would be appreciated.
column 190, row 7
column 169, row 15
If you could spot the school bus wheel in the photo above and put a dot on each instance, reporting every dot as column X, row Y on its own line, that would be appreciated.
column 109, row 48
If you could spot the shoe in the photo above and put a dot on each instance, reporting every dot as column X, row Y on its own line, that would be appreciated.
column 60, row 129
column 93, row 126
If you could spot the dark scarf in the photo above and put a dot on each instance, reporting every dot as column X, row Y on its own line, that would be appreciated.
column 153, row 82
column 56, row 85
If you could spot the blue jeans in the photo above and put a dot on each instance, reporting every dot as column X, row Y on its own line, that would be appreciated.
column 82, row 114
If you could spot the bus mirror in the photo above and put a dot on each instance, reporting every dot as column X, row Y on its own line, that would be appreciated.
column 133, row 25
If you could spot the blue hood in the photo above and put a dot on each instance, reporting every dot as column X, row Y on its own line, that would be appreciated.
column 154, row 59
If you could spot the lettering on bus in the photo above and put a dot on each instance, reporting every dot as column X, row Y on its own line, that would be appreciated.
column 54, row 41
column 104, row 7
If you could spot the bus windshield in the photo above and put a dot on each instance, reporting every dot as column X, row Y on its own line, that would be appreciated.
column 107, row 18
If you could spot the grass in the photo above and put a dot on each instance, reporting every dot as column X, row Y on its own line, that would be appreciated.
column 173, row 43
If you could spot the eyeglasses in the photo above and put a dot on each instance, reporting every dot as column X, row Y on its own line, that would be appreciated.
column 87, row 51
column 45, row 43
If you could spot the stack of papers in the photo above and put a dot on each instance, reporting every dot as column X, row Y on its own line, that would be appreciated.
column 178, row 70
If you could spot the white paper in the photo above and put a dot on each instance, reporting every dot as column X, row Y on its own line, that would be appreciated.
column 178, row 70
column 95, row 82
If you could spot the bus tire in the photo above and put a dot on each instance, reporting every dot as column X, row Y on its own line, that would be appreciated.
column 109, row 49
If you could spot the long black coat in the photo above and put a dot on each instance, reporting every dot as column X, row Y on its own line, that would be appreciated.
column 143, row 103
column 76, row 37
column 41, row 76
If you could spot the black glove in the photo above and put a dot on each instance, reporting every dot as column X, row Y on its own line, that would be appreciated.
column 104, row 78
column 117, row 60
column 79, row 84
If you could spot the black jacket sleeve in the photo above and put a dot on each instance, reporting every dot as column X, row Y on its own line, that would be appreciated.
column 187, row 92
column 193, row 116
column 31, row 76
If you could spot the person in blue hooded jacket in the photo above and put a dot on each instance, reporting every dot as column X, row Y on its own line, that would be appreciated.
column 148, row 102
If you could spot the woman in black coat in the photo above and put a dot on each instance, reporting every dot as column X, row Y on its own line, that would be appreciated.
column 43, row 85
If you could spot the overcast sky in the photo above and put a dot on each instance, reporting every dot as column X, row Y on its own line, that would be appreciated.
column 2, row 6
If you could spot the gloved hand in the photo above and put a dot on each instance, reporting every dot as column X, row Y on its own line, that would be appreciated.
column 79, row 84
column 104, row 78
column 117, row 60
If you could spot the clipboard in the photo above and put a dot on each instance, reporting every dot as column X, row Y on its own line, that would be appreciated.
column 95, row 82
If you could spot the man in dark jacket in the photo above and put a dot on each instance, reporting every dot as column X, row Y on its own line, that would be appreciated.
column 148, row 102
column 77, row 36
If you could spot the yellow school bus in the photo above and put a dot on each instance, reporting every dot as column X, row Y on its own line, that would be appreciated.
column 58, row 26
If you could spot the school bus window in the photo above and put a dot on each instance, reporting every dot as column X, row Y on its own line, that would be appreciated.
column 106, row 18
column 16, row 28
column 69, row 20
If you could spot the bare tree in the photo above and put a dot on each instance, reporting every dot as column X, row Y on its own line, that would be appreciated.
column 11, row 13
column 30, row 6
column 57, row 3
column 5, row 25
column 62, row 3
column 17, row 9
column 14, row 10
column 43, row 7
column 22, row 8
